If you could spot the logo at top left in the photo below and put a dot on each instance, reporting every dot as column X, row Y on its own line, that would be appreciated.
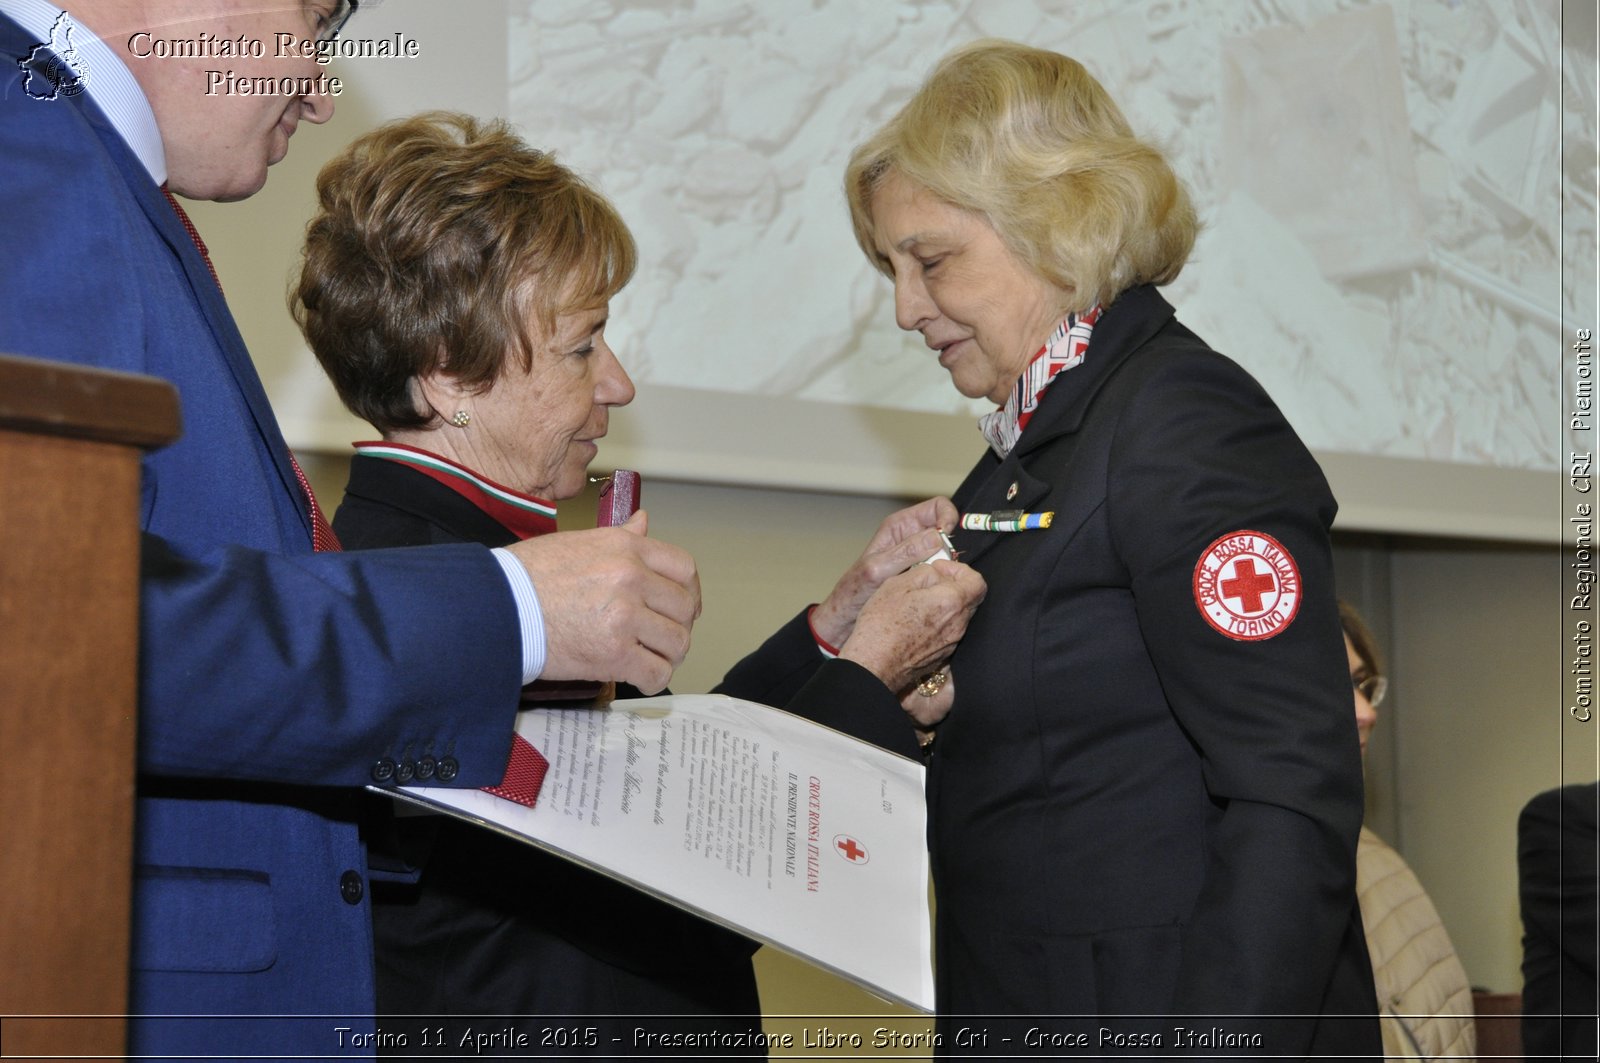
column 55, row 69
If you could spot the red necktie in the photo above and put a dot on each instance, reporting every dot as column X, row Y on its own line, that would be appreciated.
column 322, row 537
column 526, row 770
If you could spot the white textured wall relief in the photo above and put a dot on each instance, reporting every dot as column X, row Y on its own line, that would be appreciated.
column 1382, row 186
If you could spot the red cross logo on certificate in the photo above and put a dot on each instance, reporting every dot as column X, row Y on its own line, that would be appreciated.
column 850, row 849
column 1247, row 586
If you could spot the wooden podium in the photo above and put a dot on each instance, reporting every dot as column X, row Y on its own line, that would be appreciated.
column 71, row 440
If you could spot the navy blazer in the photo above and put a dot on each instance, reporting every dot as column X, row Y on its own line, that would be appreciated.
column 272, row 680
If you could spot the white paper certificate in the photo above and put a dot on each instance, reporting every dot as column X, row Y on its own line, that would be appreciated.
column 787, row 831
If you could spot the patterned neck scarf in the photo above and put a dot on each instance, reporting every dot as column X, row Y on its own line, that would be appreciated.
column 1062, row 351
column 522, row 515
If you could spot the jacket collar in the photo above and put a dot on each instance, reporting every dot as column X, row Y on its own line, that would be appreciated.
column 1127, row 324
column 1011, row 483
column 409, row 490
column 521, row 514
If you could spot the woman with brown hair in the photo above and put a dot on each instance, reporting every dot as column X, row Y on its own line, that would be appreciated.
column 456, row 288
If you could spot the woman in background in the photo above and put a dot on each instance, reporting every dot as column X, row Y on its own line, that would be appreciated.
column 1423, row 990
column 455, row 288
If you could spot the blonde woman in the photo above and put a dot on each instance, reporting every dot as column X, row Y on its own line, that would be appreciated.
column 1146, row 792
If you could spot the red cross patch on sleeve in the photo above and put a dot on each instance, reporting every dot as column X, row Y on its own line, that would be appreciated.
column 1247, row 586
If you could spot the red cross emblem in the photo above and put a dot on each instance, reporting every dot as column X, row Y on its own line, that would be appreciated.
column 850, row 849
column 1247, row 586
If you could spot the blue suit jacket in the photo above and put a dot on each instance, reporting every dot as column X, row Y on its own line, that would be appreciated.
column 272, row 680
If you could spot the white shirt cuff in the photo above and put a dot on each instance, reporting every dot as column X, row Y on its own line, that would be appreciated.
column 528, row 614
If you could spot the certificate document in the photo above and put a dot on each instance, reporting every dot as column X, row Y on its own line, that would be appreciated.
column 787, row 831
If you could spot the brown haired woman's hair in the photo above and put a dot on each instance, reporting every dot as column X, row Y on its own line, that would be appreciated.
column 1361, row 639
column 437, row 237
column 1033, row 143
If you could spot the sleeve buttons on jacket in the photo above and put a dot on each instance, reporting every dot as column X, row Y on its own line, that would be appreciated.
column 405, row 771
column 449, row 768
column 351, row 887
column 426, row 767
column 383, row 771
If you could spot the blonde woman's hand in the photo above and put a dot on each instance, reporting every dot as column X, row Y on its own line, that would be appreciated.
column 902, row 540
column 914, row 621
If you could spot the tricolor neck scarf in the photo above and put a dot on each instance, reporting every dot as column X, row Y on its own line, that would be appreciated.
column 1062, row 351
column 523, row 515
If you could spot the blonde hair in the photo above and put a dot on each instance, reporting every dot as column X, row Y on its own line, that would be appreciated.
column 436, row 237
column 1030, row 141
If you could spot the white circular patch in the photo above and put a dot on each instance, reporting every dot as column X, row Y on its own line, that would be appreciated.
column 1247, row 586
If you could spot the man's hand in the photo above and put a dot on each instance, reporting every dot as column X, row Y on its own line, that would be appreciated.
column 914, row 622
column 617, row 605
column 902, row 540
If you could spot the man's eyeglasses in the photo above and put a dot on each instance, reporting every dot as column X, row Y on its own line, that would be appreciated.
column 1372, row 687
column 341, row 13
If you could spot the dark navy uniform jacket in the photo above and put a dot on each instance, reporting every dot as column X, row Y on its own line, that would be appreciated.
column 1146, row 798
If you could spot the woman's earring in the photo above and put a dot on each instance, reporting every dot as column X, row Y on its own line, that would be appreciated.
column 461, row 419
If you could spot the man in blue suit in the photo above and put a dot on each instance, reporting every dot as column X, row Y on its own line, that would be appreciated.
column 274, row 681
